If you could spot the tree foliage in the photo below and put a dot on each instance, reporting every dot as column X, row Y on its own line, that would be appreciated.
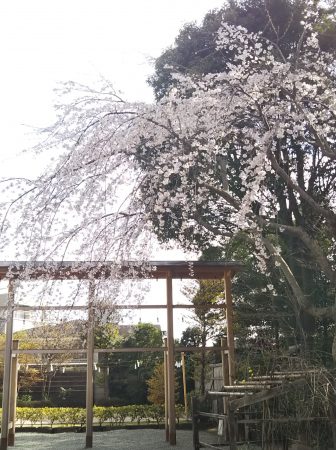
column 249, row 150
column 43, row 367
column 106, row 335
column 208, row 323
column 195, row 52
column 195, row 49
column 130, row 372
column 156, row 388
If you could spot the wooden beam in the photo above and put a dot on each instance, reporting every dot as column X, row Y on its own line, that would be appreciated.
column 262, row 384
column 238, row 387
column 171, row 362
column 232, row 394
column 13, row 395
column 89, row 270
column 85, row 307
column 157, row 349
column 207, row 445
column 229, row 326
column 264, row 395
column 89, row 369
column 43, row 351
column 279, row 377
column 7, row 368
column 48, row 308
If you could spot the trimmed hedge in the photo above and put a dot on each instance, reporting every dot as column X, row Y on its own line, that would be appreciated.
column 104, row 415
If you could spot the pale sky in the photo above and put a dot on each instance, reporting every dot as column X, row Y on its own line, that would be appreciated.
column 44, row 42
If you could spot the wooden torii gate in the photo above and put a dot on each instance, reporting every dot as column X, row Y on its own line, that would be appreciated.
column 92, row 271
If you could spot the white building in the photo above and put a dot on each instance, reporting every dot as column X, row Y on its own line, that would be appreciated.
column 22, row 319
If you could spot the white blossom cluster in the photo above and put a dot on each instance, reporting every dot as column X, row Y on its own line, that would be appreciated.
column 128, row 169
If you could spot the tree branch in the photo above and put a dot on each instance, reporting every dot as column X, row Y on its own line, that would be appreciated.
column 299, row 295
column 329, row 215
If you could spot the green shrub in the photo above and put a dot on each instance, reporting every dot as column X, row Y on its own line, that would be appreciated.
column 156, row 413
column 121, row 413
column 179, row 412
column 99, row 412
column 106, row 414
column 50, row 415
column 32, row 415
column 74, row 416
column 25, row 398
column 113, row 415
column 138, row 413
column 22, row 415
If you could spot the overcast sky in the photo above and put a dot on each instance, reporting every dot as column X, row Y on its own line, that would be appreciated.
column 44, row 42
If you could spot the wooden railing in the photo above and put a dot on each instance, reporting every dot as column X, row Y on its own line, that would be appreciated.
column 244, row 395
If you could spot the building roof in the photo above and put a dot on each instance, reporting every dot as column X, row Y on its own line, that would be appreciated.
column 82, row 270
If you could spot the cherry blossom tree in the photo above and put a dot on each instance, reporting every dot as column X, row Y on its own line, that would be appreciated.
column 194, row 51
column 218, row 154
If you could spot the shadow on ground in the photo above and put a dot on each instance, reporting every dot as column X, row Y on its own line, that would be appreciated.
column 117, row 439
column 141, row 439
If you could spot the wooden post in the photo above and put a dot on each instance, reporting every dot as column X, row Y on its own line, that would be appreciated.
column 229, row 326
column 225, row 371
column 232, row 429
column 184, row 378
column 195, row 418
column 165, row 370
column 13, row 395
column 171, row 362
column 332, row 411
column 89, row 369
column 7, row 367
column 225, row 367
column 165, row 363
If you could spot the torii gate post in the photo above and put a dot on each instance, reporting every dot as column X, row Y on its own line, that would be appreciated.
column 171, row 361
column 89, row 369
column 13, row 394
column 229, row 326
column 7, row 368
column 165, row 376
column 170, row 347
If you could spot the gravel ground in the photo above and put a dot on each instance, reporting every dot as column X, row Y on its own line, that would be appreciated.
column 116, row 440
column 141, row 439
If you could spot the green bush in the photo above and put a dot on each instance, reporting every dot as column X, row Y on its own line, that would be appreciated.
column 74, row 416
column 51, row 415
column 156, row 413
column 34, row 403
column 25, row 398
column 32, row 415
column 22, row 415
column 113, row 415
column 101, row 413
column 179, row 412
column 121, row 413
column 138, row 413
